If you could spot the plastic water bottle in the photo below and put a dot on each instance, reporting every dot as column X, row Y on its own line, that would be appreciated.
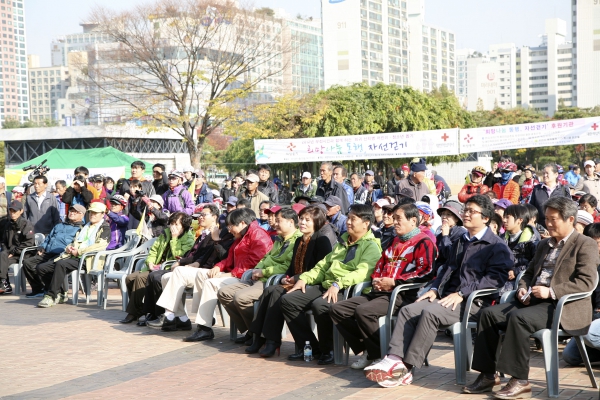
column 307, row 352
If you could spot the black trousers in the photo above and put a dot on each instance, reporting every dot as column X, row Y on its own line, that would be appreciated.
column 152, row 293
column 29, row 268
column 61, row 269
column 519, row 322
column 269, row 320
column 357, row 319
column 295, row 304
column 5, row 262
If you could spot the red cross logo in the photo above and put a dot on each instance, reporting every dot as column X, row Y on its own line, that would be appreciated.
column 595, row 126
column 445, row 137
column 468, row 138
column 292, row 146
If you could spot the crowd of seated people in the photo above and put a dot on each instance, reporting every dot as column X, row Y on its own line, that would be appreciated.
column 268, row 265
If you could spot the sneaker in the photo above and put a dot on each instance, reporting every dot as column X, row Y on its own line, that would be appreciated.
column 33, row 295
column 394, row 382
column 385, row 369
column 46, row 302
column 62, row 298
column 362, row 362
column 156, row 323
column 5, row 287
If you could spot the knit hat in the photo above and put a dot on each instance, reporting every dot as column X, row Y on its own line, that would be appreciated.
column 584, row 217
column 503, row 203
column 418, row 165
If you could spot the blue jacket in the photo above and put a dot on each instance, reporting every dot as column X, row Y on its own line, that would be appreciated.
column 60, row 237
column 485, row 265
column 178, row 199
column 205, row 195
column 349, row 193
column 339, row 222
column 118, row 226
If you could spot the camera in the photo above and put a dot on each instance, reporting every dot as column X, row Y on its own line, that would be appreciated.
column 376, row 186
column 38, row 170
column 140, row 193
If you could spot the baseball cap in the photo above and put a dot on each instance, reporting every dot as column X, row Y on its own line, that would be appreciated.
column 197, row 210
column 199, row 172
column 273, row 209
column 405, row 167
column 79, row 208
column 158, row 199
column 188, row 169
column 252, row 178
column 333, row 201
column 118, row 199
column 369, row 172
column 97, row 178
column 406, row 192
column 307, row 175
column 232, row 200
column 503, row 203
column 317, row 199
column 177, row 173
column 18, row 189
column 382, row 203
column 15, row 205
column 298, row 207
column 97, row 207
column 298, row 198
column 589, row 162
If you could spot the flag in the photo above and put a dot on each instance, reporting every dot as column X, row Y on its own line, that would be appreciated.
column 192, row 189
column 142, row 229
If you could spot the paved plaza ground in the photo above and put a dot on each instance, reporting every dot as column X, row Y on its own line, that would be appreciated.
column 84, row 353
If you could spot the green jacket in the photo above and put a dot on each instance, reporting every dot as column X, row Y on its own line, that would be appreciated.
column 312, row 189
column 359, row 269
column 177, row 247
column 277, row 261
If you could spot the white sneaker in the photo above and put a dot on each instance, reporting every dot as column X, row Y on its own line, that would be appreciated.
column 385, row 369
column 362, row 362
column 393, row 382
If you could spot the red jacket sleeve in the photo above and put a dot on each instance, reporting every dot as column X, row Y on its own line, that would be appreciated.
column 462, row 195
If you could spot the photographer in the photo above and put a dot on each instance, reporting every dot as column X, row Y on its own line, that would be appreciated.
column 134, row 198
column 374, row 189
column 78, row 193
column 137, row 174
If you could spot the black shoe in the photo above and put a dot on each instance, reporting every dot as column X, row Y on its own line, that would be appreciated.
column 176, row 325
column 128, row 319
column 244, row 339
column 34, row 295
column 256, row 345
column 200, row 335
column 156, row 323
column 184, row 326
column 299, row 356
column 5, row 287
column 326, row 359
column 271, row 347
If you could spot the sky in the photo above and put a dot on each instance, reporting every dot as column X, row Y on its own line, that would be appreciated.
column 476, row 23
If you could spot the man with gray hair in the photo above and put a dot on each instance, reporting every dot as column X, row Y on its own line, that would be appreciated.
column 329, row 187
column 563, row 264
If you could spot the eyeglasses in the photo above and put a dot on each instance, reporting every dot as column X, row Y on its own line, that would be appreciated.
column 470, row 211
column 156, row 172
column 202, row 215
column 173, row 178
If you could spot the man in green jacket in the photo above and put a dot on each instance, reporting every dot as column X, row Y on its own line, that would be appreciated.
column 238, row 299
column 349, row 263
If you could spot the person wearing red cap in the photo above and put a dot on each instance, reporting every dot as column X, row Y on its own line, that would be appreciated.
column 506, row 188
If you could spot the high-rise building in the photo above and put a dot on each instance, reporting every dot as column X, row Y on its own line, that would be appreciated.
column 586, row 46
column 14, row 99
column 48, row 85
column 385, row 41
column 75, row 42
column 539, row 77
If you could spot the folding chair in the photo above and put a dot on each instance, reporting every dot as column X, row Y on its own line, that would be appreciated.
column 19, row 276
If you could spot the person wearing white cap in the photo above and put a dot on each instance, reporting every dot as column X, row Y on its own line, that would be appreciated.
column 188, row 176
column 584, row 218
column 5, row 198
column 306, row 187
column 177, row 198
column 591, row 181
column 253, row 194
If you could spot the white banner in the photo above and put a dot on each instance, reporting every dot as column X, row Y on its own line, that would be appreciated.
column 357, row 147
column 537, row 134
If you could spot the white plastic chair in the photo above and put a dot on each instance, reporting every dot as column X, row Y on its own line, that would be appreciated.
column 131, row 241
column 19, row 276
column 131, row 258
column 549, row 341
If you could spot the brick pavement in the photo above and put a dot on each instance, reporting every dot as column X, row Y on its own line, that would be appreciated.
column 83, row 352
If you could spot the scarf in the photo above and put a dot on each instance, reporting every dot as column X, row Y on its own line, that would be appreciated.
column 409, row 235
column 87, row 236
column 505, row 178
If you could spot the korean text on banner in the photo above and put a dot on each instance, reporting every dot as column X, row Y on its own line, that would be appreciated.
column 537, row 134
column 377, row 146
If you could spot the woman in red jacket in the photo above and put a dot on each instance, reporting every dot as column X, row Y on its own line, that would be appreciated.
column 475, row 187
column 250, row 246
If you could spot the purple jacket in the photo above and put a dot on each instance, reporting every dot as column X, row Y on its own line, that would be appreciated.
column 178, row 199
column 118, row 227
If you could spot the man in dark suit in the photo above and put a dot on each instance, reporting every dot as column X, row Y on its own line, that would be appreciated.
column 563, row 264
